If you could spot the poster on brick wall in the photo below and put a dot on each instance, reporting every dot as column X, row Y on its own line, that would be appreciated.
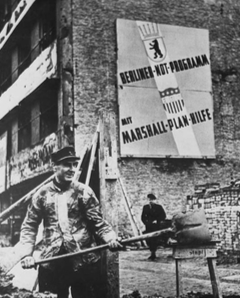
column 164, row 91
column 3, row 158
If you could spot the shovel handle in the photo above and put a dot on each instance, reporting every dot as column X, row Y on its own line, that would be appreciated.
column 105, row 246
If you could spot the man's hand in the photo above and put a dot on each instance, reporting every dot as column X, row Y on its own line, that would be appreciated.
column 28, row 262
column 115, row 244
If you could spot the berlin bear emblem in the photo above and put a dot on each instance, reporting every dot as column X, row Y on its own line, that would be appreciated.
column 155, row 48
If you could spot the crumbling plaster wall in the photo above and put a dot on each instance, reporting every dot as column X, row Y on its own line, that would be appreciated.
column 95, row 90
column 222, row 209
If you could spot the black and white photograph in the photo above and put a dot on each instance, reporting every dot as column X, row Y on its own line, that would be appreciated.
column 119, row 149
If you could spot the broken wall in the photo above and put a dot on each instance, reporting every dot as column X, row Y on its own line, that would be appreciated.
column 95, row 90
column 222, row 209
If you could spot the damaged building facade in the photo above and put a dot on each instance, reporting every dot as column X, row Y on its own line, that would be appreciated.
column 64, row 63
column 35, row 100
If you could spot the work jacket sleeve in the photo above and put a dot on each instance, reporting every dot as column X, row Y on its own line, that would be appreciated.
column 102, row 228
column 161, row 214
column 29, row 228
column 144, row 216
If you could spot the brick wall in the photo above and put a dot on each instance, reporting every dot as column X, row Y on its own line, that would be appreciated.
column 222, row 209
column 95, row 90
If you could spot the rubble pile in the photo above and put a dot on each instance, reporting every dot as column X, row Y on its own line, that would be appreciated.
column 136, row 294
column 7, row 290
column 222, row 209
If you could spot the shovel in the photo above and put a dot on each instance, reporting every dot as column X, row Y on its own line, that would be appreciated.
column 105, row 246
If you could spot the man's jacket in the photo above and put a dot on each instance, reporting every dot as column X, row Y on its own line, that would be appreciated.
column 83, row 225
column 152, row 215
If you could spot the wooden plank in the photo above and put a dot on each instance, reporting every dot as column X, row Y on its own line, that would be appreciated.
column 78, row 169
column 201, row 251
column 92, row 156
column 190, row 253
column 129, row 209
column 111, row 165
column 109, row 201
column 9, row 211
column 178, row 265
column 216, row 287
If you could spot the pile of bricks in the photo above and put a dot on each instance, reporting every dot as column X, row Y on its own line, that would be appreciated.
column 222, row 209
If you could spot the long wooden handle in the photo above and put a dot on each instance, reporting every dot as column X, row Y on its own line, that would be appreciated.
column 10, row 210
column 105, row 246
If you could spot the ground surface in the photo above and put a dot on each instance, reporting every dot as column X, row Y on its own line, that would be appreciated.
column 141, row 278
column 158, row 278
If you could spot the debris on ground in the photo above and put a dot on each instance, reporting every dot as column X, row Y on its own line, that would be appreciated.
column 136, row 294
column 7, row 290
column 228, row 258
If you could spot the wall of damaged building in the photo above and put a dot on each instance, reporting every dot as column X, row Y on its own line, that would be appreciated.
column 25, row 162
column 32, row 162
column 29, row 113
column 222, row 208
column 95, row 90
column 65, row 54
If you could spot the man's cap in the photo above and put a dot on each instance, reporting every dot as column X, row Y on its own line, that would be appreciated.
column 65, row 154
column 151, row 196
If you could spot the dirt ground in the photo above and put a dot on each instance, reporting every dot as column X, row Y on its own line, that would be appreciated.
column 142, row 278
column 158, row 278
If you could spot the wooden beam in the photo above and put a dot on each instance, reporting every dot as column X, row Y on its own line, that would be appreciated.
column 93, row 156
column 216, row 287
column 129, row 209
column 109, row 200
column 9, row 211
column 78, row 169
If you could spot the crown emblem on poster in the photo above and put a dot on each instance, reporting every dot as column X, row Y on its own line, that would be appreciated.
column 169, row 92
column 149, row 30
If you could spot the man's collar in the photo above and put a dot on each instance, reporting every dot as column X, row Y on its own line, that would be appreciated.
column 61, row 186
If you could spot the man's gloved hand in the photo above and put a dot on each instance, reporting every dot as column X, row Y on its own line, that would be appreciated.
column 28, row 262
column 115, row 244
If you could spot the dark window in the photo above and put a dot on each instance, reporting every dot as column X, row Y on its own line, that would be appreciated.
column 9, row 143
column 37, row 118
column 5, row 73
column 49, row 115
column 24, row 49
column 5, row 12
column 35, row 38
column 24, row 127
column 33, row 35
column 14, row 65
column 43, row 30
column 14, row 4
column 6, row 9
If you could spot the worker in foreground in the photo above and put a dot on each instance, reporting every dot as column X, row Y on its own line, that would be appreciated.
column 72, row 222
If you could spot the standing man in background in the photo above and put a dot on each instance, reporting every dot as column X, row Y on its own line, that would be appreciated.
column 72, row 222
column 152, row 216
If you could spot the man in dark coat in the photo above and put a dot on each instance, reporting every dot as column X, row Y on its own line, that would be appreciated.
column 152, row 216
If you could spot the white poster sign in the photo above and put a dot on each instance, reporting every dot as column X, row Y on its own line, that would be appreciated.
column 165, row 93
